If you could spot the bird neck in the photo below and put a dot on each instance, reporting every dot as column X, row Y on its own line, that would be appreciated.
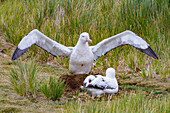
column 111, row 76
column 82, row 43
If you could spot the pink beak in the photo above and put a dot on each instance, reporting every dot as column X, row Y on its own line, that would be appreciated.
column 88, row 39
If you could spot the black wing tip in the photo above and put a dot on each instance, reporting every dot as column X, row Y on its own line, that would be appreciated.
column 18, row 52
column 14, row 54
column 149, row 52
column 152, row 53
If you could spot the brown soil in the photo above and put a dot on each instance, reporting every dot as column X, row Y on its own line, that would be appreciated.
column 73, row 81
column 5, row 46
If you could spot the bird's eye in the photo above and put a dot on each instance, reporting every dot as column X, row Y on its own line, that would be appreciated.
column 84, row 84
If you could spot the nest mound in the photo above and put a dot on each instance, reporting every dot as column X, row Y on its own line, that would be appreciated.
column 73, row 81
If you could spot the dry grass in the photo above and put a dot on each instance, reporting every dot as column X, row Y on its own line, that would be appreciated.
column 144, row 82
column 148, row 90
column 63, row 21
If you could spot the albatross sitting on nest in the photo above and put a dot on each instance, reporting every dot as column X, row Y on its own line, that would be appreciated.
column 98, row 85
column 82, row 55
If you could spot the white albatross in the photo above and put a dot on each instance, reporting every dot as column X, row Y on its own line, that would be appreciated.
column 98, row 85
column 82, row 55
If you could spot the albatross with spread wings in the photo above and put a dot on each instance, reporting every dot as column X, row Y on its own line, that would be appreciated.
column 82, row 55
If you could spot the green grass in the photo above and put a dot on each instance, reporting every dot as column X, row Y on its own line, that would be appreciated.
column 24, row 81
column 64, row 20
column 130, row 102
column 149, row 90
column 130, row 98
column 53, row 89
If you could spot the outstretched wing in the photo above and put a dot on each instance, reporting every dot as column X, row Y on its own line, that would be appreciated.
column 39, row 39
column 124, row 38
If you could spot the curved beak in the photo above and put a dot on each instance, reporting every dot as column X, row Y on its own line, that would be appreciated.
column 88, row 39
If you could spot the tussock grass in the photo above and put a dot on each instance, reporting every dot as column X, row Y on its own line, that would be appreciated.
column 137, row 99
column 24, row 81
column 129, row 103
column 54, row 89
column 64, row 20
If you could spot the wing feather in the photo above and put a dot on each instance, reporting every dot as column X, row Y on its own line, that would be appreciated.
column 124, row 38
column 39, row 39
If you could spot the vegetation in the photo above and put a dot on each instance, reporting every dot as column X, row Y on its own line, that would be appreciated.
column 129, row 98
column 129, row 103
column 63, row 21
column 54, row 89
column 24, row 83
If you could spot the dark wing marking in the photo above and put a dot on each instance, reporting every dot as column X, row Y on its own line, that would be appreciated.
column 149, row 52
column 124, row 38
column 18, row 52
column 96, row 86
column 108, row 87
column 100, row 82
column 39, row 39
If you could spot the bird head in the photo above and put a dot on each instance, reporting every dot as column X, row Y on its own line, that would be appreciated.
column 84, row 37
column 110, row 72
column 88, row 80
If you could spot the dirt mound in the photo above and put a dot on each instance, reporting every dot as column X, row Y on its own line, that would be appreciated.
column 5, row 47
column 73, row 81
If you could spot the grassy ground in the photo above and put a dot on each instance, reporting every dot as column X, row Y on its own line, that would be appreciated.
column 64, row 20
column 136, row 94
column 144, row 82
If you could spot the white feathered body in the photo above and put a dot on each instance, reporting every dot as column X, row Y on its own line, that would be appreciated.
column 82, row 55
column 110, row 86
column 81, row 59
column 99, row 85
